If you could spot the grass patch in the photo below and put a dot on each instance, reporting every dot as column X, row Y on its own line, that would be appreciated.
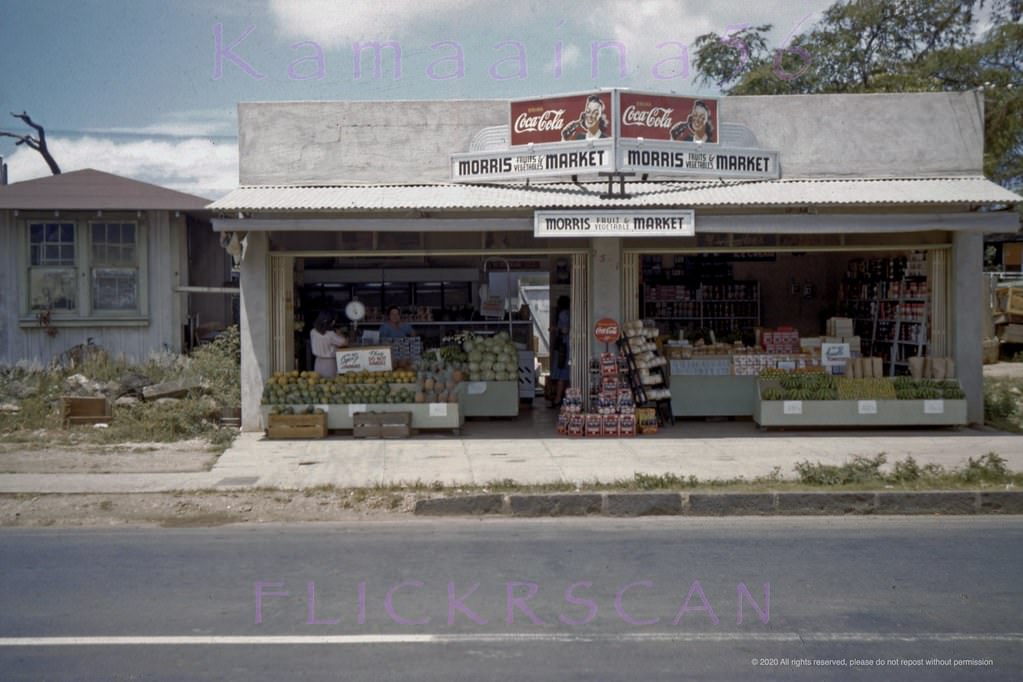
column 37, row 391
column 1002, row 398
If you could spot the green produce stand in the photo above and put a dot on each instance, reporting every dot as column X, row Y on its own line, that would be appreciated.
column 858, row 413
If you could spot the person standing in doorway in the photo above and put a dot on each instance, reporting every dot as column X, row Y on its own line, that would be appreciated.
column 561, row 361
column 325, row 342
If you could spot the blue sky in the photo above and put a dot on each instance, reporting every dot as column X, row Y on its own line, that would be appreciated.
column 131, row 86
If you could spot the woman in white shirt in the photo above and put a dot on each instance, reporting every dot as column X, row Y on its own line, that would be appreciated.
column 325, row 343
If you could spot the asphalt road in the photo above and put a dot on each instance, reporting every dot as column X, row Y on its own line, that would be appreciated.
column 579, row 599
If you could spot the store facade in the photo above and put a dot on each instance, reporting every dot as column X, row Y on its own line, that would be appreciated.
column 812, row 216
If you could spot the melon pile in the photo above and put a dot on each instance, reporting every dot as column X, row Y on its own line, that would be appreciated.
column 493, row 358
column 437, row 382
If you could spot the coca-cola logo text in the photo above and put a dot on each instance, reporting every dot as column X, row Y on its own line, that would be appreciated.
column 607, row 331
column 551, row 119
column 656, row 117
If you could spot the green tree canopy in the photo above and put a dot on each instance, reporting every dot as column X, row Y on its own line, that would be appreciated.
column 889, row 46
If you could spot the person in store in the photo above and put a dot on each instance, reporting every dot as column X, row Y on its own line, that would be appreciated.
column 394, row 328
column 325, row 342
column 561, row 362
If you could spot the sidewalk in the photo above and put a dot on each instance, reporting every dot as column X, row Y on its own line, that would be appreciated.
column 489, row 451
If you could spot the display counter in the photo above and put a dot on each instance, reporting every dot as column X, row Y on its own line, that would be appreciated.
column 875, row 402
column 424, row 415
column 712, row 396
column 721, row 385
column 489, row 398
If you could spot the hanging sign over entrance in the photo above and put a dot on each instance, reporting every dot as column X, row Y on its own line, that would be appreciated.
column 677, row 223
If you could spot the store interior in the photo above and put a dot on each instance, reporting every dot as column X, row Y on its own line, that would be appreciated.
column 438, row 296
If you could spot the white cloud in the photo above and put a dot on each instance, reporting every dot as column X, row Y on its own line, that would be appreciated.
column 197, row 166
column 330, row 23
column 195, row 123
column 570, row 56
column 640, row 26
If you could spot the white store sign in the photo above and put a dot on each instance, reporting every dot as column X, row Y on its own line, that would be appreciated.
column 678, row 223
column 555, row 160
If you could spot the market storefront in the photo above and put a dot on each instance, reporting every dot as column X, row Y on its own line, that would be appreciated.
column 737, row 276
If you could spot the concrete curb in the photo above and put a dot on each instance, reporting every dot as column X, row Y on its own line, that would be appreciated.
column 727, row 504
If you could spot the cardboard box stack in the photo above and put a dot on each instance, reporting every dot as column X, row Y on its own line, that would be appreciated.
column 613, row 412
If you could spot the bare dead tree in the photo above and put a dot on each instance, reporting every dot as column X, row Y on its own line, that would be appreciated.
column 36, row 143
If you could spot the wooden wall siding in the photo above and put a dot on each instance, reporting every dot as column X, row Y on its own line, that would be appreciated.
column 166, row 239
column 9, row 291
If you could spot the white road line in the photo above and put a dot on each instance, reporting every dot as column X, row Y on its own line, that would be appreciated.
column 512, row 637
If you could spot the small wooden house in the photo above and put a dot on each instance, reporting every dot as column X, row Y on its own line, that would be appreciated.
column 88, row 255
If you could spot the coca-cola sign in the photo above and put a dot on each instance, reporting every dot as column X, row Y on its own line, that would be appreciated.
column 666, row 117
column 557, row 119
column 607, row 330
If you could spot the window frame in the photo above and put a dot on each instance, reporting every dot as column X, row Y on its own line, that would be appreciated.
column 85, row 313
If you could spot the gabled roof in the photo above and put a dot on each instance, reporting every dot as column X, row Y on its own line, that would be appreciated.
column 697, row 194
column 95, row 190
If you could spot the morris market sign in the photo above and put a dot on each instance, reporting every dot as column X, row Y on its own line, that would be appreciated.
column 639, row 223
column 614, row 131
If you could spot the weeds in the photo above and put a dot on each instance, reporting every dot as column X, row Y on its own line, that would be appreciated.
column 989, row 469
column 1002, row 404
column 36, row 392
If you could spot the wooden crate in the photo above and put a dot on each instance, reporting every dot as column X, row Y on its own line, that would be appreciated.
column 1011, row 333
column 79, row 410
column 991, row 351
column 1010, row 300
column 296, row 426
column 382, row 431
column 381, row 419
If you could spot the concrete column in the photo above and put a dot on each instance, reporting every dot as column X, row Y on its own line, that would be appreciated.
column 967, row 344
column 605, row 284
column 254, row 328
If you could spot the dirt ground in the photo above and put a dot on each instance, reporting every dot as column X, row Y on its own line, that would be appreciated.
column 123, row 458
column 195, row 509
column 181, row 509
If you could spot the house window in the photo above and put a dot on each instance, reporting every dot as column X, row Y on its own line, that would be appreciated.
column 82, row 269
column 53, row 280
column 114, row 266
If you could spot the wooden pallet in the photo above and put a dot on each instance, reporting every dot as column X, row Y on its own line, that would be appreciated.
column 296, row 426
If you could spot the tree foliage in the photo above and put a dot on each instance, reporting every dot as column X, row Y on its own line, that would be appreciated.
column 889, row 46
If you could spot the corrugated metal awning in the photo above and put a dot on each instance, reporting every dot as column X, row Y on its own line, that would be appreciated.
column 770, row 193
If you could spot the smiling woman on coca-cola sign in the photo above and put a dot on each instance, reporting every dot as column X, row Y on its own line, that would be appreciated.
column 592, row 123
column 697, row 127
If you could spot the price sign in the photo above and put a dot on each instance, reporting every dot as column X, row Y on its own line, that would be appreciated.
column 792, row 407
column 353, row 409
column 438, row 409
column 867, row 406
column 934, row 407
